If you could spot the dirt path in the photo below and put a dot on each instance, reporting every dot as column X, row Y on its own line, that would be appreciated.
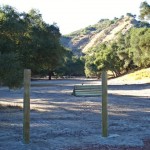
column 60, row 121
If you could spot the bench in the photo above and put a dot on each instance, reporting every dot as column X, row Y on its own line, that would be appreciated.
column 87, row 90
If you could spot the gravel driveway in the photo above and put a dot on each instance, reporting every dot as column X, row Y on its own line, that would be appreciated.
column 61, row 121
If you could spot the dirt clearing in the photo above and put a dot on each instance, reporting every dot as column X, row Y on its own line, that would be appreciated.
column 61, row 121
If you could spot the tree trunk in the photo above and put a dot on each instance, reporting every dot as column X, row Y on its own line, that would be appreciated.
column 114, row 74
column 50, row 75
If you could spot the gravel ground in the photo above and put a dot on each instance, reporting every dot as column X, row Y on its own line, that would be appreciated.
column 61, row 121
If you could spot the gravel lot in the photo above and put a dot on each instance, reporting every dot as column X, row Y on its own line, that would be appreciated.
column 61, row 121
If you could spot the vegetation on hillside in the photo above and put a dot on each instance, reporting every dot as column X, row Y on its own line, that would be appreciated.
column 123, row 49
column 129, row 51
column 102, row 24
column 26, row 41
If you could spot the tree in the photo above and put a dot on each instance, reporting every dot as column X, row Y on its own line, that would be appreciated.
column 72, row 66
column 12, row 27
column 43, row 45
column 90, row 67
column 124, row 52
column 144, row 11
column 140, row 39
column 130, row 15
column 28, row 42
column 107, row 59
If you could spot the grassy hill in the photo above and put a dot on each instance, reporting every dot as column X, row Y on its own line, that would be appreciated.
column 139, row 76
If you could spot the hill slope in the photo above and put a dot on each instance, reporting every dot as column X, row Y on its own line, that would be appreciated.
column 140, row 76
column 104, row 31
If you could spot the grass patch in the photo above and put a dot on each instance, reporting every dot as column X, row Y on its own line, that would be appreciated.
column 140, row 75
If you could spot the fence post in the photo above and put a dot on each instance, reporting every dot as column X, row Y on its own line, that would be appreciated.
column 104, row 105
column 26, row 106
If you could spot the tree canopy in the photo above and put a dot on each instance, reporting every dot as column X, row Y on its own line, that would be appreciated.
column 26, row 41
column 144, row 11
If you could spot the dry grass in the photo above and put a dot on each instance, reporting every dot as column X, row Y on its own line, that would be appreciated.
column 141, row 74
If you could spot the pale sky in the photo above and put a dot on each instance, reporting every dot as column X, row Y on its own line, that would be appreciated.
column 71, row 15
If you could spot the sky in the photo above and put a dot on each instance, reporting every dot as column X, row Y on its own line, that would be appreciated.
column 71, row 15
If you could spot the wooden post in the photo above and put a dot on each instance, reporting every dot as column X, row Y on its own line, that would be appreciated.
column 26, row 107
column 104, row 105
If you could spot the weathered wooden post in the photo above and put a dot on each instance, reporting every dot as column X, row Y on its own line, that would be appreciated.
column 26, row 107
column 104, row 105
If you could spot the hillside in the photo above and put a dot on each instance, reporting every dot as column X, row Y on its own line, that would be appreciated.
column 104, row 31
column 134, row 77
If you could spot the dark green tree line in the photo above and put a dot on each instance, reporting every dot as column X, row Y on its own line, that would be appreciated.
column 26, row 41
column 72, row 66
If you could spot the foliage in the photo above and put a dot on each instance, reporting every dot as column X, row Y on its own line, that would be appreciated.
column 102, row 24
column 72, row 66
column 144, row 11
column 90, row 67
column 128, row 52
column 140, row 39
column 130, row 15
column 11, row 73
column 28, row 42
column 107, row 59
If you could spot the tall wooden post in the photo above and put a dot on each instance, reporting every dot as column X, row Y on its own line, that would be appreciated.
column 104, row 105
column 26, row 107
